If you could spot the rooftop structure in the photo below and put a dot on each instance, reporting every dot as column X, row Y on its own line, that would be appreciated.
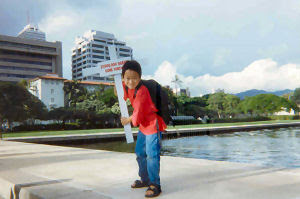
column 32, row 32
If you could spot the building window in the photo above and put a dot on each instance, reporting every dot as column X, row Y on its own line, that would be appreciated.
column 97, row 56
column 13, row 44
column 25, row 69
column 98, row 51
column 102, row 41
column 124, row 55
column 97, row 46
column 124, row 50
column 26, row 61
column 52, row 99
column 52, row 91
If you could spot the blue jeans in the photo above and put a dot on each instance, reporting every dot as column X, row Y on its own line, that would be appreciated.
column 147, row 150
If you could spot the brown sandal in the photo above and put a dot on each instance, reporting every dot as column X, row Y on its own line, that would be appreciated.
column 155, row 189
column 139, row 184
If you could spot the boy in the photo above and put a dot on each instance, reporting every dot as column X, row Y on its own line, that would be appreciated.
column 150, row 127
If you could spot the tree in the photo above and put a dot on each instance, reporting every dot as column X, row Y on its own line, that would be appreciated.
column 177, row 82
column 264, row 104
column 18, row 104
column 216, row 102
column 108, row 97
column 115, row 109
column 231, row 104
column 94, row 105
column 61, row 114
column 296, row 96
column 35, row 108
column 195, row 110
column 75, row 93
column 24, row 83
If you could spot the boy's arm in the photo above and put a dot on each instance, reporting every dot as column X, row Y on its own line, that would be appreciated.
column 124, row 120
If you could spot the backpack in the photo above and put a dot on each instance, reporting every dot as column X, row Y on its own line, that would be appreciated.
column 159, row 98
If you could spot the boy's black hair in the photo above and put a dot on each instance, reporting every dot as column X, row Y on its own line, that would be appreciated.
column 132, row 65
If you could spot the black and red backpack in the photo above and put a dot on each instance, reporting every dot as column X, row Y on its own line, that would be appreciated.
column 159, row 98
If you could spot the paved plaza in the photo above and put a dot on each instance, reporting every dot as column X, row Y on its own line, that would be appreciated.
column 33, row 171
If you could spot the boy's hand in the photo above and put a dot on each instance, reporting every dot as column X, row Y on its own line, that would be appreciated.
column 125, row 120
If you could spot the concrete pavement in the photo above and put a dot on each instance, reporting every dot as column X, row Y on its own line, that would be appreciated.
column 35, row 171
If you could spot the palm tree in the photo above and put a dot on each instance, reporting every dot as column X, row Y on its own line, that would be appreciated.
column 177, row 82
column 74, row 92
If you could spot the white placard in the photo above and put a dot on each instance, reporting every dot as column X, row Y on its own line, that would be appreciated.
column 112, row 67
column 106, row 68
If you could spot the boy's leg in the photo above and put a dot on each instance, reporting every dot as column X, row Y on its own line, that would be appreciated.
column 140, row 150
column 153, row 145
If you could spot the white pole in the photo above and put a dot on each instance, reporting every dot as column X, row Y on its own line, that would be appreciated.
column 120, row 92
column 123, row 107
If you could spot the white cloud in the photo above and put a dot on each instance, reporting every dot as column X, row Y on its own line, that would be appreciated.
column 164, row 74
column 57, row 24
column 263, row 74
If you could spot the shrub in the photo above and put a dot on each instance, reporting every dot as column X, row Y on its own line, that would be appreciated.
column 42, row 127
column 232, row 120
column 285, row 117
column 186, row 122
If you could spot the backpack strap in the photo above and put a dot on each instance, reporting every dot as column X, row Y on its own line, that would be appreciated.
column 137, row 88
column 158, row 99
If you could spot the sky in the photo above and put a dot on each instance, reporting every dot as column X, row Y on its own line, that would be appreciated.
column 232, row 45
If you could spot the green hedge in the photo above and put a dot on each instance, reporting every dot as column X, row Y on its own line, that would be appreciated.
column 186, row 122
column 285, row 117
column 54, row 126
column 231, row 120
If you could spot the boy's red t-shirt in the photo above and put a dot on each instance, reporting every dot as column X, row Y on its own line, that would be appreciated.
column 144, row 111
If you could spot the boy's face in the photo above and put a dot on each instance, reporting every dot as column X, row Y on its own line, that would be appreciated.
column 131, row 79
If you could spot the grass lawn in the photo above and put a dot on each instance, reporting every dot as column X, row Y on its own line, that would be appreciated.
column 89, row 131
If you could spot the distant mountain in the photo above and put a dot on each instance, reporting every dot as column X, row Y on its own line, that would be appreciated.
column 253, row 92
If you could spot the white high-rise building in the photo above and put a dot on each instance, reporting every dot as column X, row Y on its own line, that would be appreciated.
column 92, row 48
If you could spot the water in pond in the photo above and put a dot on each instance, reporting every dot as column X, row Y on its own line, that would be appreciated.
column 275, row 148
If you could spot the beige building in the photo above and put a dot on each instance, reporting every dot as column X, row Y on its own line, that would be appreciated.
column 29, row 55
column 49, row 89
